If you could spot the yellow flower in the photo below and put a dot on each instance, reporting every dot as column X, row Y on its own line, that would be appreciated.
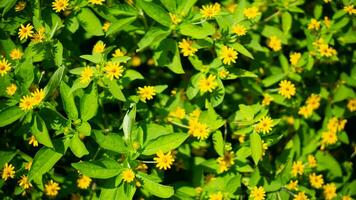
column 207, row 84
column 26, row 103
column 113, row 70
column 39, row 36
column 86, row 75
column 4, row 67
column 187, row 48
column 99, row 47
column 106, row 26
column 293, row 185
column 251, row 12
column 8, row 171
column 316, row 181
column 136, row 61
column 312, row 161
column 313, row 101
column 32, row 140
column 327, row 21
column 329, row 191
column 350, row 9
column 198, row 130
column 128, row 175
column 346, row 197
column 264, row 125
column 51, row 188
column 59, row 5
column 258, row 193
column 24, row 182
column 28, row 165
column 83, row 182
column 96, row 2
column 226, row 161
column 314, row 25
column 146, row 92
column 329, row 137
column 228, row 55
column 118, row 53
column 210, row 11
column 294, row 58
column 216, row 196
column 175, row 18
column 38, row 95
column 16, row 54
column 351, row 105
column 239, row 30
column 301, row 196
column 306, row 111
column 266, row 100
column 297, row 168
column 195, row 114
column 326, row 51
column 164, row 161
column 11, row 89
column 274, row 43
column 178, row 113
column 264, row 147
column 25, row 31
column 20, row 6
column 286, row 89
column 224, row 73
column 142, row 167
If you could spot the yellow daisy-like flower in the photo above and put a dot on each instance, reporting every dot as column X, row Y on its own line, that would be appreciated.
column 128, row 175
column 113, row 70
column 178, row 113
column 216, row 196
column 316, row 181
column 301, row 196
column 293, row 185
column 187, row 48
column 59, row 5
column 239, row 30
column 146, row 92
column 294, row 58
column 27, row 103
column 264, row 125
column 20, row 6
column 251, row 12
column 313, row 101
column 51, row 188
column 305, row 111
column 328, row 137
column 83, row 182
column 28, row 165
column 207, row 84
column 312, row 161
column 4, row 67
column 228, row 55
column 226, row 161
column 33, row 141
column 346, row 197
column 164, row 161
column 350, row 9
column 38, row 95
column 175, row 18
column 266, row 100
column 329, row 191
column 118, row 53
column 314, row 25
column 8, row 171
column 86, row 75
column 24, row 182
column 351, row 105
column 99, row 47
column 274, row 43
column 297, row 168
column 258, row 193
column 197, row 129
column 224, row 73
column 106, row 26
column 39, row 36
column 210, row 11
column 96, row 2
column 11, row 89
column 25, row 31
column 286, row 89
column 16, row 54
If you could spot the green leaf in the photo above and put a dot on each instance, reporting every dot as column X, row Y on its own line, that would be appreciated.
column 153, row 36
column 110, row 141
column 39, row 129
column 9, row 115
column 256, row 147
column 58, row 53
column 286, row 21
column 328, row 162
column 129, row 121
column 24, row 74
column 84, row 129
column 196, row 31
column 78, row 147
column 6, row 157
column 102, row 169
column 241, row 49
column 184, row 6
column 343, row 92
column 165, row 143
column 123, row 192
column 89, row 21
column 270, row 80
column 89, row 104
column 115, row 90
column 155, row 11
column 167, row 54
column 54, row 82
column 68, row 101
column 96, row 58
column 119, row 25
column 218, row 141
column 154, row 188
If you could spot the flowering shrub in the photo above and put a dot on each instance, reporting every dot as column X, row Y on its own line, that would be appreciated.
column 179, row 99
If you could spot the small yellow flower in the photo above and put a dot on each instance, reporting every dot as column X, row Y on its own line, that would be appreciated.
column 316, row 181
column 294, row 58
column 24, row 182
column 293, row 185
column 33, row 141
column 113, row 70
column 351, row 105
column 251, row 12
column 264, row 125
column 228, row 55
column 59, row 5
column 327, row 21
column 136, row 61
column 16, row 54
column 239, row 30
column 210, row 11
column 25, row 31
column 329, row 191
column 313, row 101
column 83, row 182
column 86, row 75
column 224, row 73
column 99, row 47
column 286, row 89
column 38, row 95
column 306, row 111
column 96, row 2
column 264, row 147
column 39, row 36
column 326, row 51
column 346, row 197
column 297, row 168
column 51, row 188
column 207, row 84
column 226, row 161
column 106, row 26
column 178, row 113
column 314, row 25
column 197, row 129
column 11, row 89
column 216, row 196
column 164, row 161
column 301, row 196
column 195, row 114
column 350, row 9
column 118, row 53
column 8, row 171
column 4, row 67
column 146, row 92
column 28, row 165
column 274, row 43
column 20, row 6
column 128, row 175
column 258, row 193
column 175, row 18
column 266, row 100
column 312, row 161
column 328, row 137
column 187, row 48
column 26, row 103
